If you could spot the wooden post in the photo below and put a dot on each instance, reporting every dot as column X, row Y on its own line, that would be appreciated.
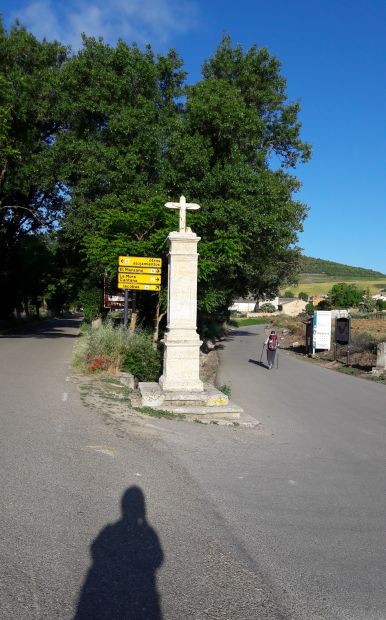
column 133, row 320
column 158, row 317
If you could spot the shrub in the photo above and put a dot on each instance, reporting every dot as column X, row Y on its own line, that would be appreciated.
column 110, row 349
column 309, row 309
column 267, row 307
column 105, row 343
column 289, row 294
column 303, row 296
column 367, row 305
column 91, row 301
column 380, row 305
column 140, row 358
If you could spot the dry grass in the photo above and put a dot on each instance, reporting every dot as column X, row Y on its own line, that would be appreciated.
column 315, row 287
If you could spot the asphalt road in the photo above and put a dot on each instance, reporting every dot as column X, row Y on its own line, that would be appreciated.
column 173, row 520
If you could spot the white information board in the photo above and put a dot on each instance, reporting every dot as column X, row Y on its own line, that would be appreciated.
column 322, row 329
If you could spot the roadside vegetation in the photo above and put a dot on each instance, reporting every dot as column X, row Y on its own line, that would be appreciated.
column 109, row 349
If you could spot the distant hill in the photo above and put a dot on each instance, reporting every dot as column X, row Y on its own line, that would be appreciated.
column 319, row 267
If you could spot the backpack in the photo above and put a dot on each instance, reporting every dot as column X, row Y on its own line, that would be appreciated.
column 272, row 342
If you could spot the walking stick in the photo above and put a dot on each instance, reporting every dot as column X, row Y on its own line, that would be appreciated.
column 262, row 351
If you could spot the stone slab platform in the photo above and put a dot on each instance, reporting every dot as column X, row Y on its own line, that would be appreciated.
column 211, row 405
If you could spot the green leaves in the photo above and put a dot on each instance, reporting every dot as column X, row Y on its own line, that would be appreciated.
column 98, row 141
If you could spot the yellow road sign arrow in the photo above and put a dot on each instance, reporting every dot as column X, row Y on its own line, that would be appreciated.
column 139, row 278
column 139, row 261
column 133, row 286
column 123, row 269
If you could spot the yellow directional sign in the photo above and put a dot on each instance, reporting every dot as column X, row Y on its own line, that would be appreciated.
column 139, row 261
column 139, row 278
column 139, row 270
column 139, row 287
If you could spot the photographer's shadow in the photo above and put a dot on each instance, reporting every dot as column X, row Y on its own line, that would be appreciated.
column 121, row 583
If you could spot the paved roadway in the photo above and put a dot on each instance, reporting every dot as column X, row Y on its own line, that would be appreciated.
column 286, row 522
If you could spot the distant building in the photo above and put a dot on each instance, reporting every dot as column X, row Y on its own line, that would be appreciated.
column 244, row 305
column 381, row 295
column 292, row 306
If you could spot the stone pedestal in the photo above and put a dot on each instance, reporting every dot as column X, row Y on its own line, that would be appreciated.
column 182, row 343
column 380, row 368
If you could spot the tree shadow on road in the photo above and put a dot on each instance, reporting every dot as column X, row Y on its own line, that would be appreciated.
column 45, row 329
column 121, row 583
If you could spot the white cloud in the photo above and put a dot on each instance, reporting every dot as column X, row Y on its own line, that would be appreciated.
column 40, row 19
column 154, row 21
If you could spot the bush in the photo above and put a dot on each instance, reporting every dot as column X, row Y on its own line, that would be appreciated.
column 289, row 294
column 309, row 309
column 380, row 305
column 140, row 358
column 367, row 305
column 267, row 307
column 111, row 349
column 303, row 296
column 91, row 301
column 105, row 343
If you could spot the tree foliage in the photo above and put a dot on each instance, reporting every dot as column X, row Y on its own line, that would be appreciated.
column 30, row 196
column 102, row 138
column 345, row 295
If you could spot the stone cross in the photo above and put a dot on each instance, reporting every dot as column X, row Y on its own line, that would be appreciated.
column 182, row 206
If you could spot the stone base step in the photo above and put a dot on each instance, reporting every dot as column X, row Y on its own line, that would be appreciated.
column 208, row 406
column 193, row 412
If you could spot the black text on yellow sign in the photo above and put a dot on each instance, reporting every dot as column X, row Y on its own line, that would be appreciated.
column 139, row 270
column 133, row 286
column 140, row 278
column 139, row 261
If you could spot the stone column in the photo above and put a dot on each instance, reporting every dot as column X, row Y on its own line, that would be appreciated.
column 380, row 368
column 182, row 343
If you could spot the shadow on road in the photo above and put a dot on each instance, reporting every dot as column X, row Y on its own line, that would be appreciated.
column 239, row 332
column 46, row 329
column 121, row 582
column 258, row 363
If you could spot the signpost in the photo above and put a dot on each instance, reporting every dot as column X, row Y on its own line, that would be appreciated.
column 322, row 330
column 138, row 273
column 343, row 335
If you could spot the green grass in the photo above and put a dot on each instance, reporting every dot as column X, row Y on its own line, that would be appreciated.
column 252, row 321
column 159, row 413
column 226, row 389
column 347, row 370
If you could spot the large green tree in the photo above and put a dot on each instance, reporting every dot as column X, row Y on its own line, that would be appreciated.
column 31, row 197
column 137, row 137
column 235, row 121
column 104, row 137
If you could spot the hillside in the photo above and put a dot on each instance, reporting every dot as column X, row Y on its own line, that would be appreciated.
column 321, row 268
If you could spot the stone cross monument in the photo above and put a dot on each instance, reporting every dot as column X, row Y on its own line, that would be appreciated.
column 181, row 342
column 180, row 389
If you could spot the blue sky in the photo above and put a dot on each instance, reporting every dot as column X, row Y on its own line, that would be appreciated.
column 333, row 54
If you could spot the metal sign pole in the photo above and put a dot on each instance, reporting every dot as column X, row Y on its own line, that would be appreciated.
column 314, row 334
column 126, row 309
